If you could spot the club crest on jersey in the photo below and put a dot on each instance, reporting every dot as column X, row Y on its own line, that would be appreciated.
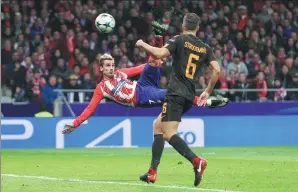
column 119, row 89
column 116, row 89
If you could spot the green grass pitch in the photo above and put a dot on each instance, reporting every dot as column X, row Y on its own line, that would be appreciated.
column 252, row 169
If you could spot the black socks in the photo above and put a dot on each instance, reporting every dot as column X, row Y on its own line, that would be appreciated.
column 157, row 149
column 179, row 144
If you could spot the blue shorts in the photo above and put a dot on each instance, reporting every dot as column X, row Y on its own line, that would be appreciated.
column 149, row 93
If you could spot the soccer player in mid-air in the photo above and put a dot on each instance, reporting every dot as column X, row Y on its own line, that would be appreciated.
column 145, row 92
column 190, row 56
column 115, row 85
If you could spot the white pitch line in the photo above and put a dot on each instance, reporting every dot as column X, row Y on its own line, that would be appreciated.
column 114, row 183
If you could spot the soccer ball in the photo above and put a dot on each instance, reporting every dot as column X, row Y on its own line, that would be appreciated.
column 105, row 23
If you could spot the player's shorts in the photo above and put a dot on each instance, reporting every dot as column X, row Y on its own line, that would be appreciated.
column 174, row 107
column 148, row 90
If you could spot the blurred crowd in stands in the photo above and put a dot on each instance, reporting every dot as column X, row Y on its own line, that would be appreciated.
column 53, row 44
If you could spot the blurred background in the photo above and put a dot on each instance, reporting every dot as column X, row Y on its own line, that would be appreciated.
column 49, row 68
column 50, row 45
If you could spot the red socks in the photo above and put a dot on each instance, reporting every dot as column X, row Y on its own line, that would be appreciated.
column 152, row 171
column 195, row 161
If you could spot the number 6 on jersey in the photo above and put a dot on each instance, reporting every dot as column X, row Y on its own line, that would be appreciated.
column 191, row 67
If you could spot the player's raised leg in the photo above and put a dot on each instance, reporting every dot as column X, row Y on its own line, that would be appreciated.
column 151, row 74
column 148, row 92
column 157, row 150
column 173, row 109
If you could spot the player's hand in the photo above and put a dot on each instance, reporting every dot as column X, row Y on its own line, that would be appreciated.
column 203, row 99
column 139, row 43
column 68, row 129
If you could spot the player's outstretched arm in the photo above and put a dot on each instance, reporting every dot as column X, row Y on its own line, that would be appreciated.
column 158, row 52
column 214, row 66
column 90, row 109
column 133, row 71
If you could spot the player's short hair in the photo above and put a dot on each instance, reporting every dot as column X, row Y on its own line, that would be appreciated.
column 191, row 21
column 105, row 57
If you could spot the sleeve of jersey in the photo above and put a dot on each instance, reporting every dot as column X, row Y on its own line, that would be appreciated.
column 210, row 55
column 133, row 71
column 172, row 44
column 90, row 109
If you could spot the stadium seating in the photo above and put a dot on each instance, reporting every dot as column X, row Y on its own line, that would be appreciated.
column 41, row 38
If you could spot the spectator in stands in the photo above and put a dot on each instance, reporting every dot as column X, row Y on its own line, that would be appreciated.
column 249, row 57
column 84, row 66
column 280, row 94
column 223, row 80
column 261, row 84
column 8, row 34
column 264, row 16
column 290, row 48
column 94, row 42
column 20, row 95
column 240, row 42
column 272, row 23
column 86, row 50
column 232, row 79
column 48, row 93
column 43, row 70
column 254, row 42
column 269, row 77
column 242, row 84
column 87, row 84
column 267, row 49
column 262, row 34
column 225, row 60
column 35, row 86
column 125, row 62
column 61, row 69
column 237, row 66
column 288, row 28
column 274, row 66
column 295, row 66
column 289, row 62
column 285, row 76
column 6, row 53
column 293, row 95
column 230, row 48
column 18, row 77
column 73, row 85
column 57, row 55
column 281, row 55
column 35, row 43
column 27, row 63
column 76, row 72
column 219, row 57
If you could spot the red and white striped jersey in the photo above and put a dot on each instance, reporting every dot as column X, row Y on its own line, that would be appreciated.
column 119, row 89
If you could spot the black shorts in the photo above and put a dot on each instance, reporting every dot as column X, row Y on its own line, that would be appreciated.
column 174, row 107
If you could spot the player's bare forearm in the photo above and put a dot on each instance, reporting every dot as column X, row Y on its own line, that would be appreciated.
column 156, row 52
column 214, row 77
